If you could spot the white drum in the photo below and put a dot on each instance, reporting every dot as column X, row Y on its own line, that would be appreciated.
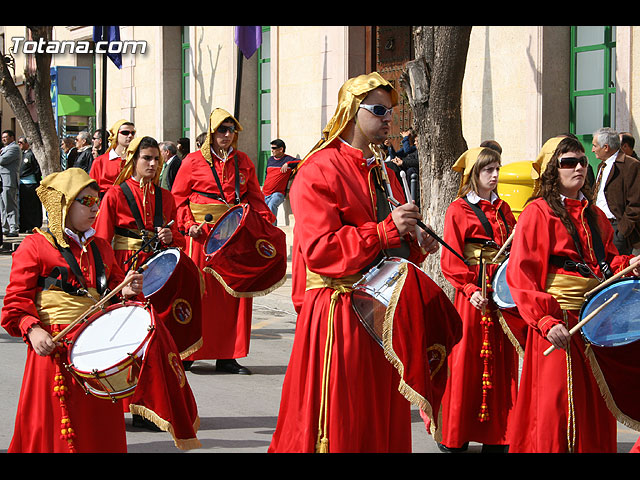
column 107, row 351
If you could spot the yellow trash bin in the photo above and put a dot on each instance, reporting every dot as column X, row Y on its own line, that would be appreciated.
column 515, row 185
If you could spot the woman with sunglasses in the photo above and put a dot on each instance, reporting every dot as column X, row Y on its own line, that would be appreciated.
column 54, row 413
column 478, row 223
column 553, row 263
column 106, row 167
column 206, row 186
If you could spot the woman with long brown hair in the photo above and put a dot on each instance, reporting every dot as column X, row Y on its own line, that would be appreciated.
column 555, row 259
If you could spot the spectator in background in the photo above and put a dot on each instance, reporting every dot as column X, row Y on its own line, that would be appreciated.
column 30, row 176
column 10, row 162
column 492, row 144
column 97, row 147
column 617, row 189
column 68, row 153
column 279, row 169
column 84, row 160
column 200, row 140
column 170, row 164
column 184, row 146
column 627, row 143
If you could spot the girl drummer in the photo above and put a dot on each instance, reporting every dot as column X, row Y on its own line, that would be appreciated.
column 54, row 413
column 482, row 386
column 553, row 263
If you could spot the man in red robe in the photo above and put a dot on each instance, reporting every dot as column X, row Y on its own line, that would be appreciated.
column 342, row 392
column 210, row 181
column 54, row 412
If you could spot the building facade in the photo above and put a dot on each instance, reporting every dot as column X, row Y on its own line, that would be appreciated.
column 523, row 84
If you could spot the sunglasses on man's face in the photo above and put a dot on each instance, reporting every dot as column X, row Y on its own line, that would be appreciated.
column 224, row 129
column 572, row 162
column 377, row 110
column 88, row 201
column 126, row 133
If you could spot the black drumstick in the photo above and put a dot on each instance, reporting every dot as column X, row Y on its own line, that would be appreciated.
column 433, row 234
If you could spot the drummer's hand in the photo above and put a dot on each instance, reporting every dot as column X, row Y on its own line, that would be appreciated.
column 405, row 217
column 41, row 341
column 427, row 242
column 165, row 235
column 636, row 260
column 478, row 301
column 195, row 231
column 134, row 287
column 559, row 336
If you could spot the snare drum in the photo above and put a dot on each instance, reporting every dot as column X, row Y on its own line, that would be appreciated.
column 171, row 283
column 501, row 294
column 619, row 322
column 371, row 295
column 612, row 336
column 107, row 351
column 245, row 253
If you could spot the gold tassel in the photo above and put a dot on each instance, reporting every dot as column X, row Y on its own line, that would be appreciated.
column 322, row 444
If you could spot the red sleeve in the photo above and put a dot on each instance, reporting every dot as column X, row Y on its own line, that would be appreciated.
column 331, row 242
column 36, row 257
column 457, row 226
column 19, row 312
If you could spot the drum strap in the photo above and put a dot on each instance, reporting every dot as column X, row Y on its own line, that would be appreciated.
column 237, row 181
column 59, row 275
column 484, row 220
column 158, row 221
column 583, row 268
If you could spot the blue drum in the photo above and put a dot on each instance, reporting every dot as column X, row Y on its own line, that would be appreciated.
column 501, row 293
column 619, row 322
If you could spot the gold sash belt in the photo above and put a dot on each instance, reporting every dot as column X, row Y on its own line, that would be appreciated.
column 56, row 307
column 120, row 242
column 200, row 210
column 474, row 251
column 319, row 281
column 569, row 290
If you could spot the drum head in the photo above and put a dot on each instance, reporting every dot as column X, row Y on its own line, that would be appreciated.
column 371, row 296
column 501, row 293
column 619, row 322
column 159, row 270
column 223, row 230
column 110, row 338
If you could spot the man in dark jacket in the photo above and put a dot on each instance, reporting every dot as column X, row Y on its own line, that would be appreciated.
column 10, row 162
column 617, row 189
column 30, row 176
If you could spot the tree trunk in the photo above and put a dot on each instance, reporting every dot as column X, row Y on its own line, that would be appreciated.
column 41, row 131
column 433, row 84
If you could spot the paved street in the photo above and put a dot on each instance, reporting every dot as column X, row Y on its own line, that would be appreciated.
column 237, row 413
